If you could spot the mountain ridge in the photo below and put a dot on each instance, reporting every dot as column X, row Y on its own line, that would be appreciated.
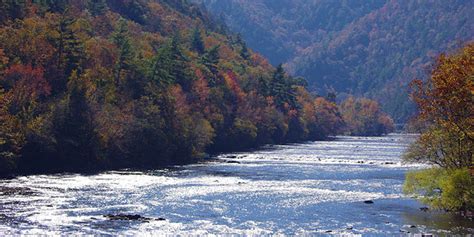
column 369, row 49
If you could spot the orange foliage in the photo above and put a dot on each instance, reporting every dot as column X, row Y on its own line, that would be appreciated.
column 447, row 99
column 233, row 85
column 364, row 117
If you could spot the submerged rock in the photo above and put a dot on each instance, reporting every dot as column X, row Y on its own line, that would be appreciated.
column 369, row 202
column 126, row 217
column 232, row 162
column 425, row 209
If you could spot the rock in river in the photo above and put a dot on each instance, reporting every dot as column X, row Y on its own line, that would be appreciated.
column 369, row 202
column 125, row 217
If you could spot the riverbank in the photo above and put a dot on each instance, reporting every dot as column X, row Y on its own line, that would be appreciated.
column 37, row 168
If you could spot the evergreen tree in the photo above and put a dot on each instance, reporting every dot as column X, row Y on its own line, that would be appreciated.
column 70, row 51
column 179, row 64
column 211, row 58
column 162, row 67
column 11, row 9
column 169, row 65
column 97, row 7
column 74, row 130
column 53, row 5
column 244, row 51
column 122, row 41
column 283, row 88
column 197, row 44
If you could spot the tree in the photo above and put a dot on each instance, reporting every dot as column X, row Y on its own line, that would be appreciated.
column 12, row 9
column 447, row 98
column 169, row 66
column 196, row 42
column 364, row 117
column 125, row 54
column 161, row 67
column 244, row 51
column 97, row 7
column 11, row 137
column 70, row 52
column 26, row 86
column 283, row 88
column 74, row 131
column 58, row 6
column 446, row 104
column 179, row 64
column 211, row 59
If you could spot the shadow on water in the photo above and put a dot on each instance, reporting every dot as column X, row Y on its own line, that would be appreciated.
column 440, row 222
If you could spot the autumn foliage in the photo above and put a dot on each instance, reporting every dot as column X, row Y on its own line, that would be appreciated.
column 364, row 117
column 446, row 103
column 87, row 85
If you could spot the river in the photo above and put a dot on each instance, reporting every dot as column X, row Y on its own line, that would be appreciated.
column 310, row 188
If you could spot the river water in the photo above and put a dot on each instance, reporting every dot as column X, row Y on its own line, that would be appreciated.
column 310, row 188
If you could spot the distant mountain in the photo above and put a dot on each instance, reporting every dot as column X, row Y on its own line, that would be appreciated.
column 371, row 48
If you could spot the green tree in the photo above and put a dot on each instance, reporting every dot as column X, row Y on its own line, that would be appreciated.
column 121, row 39
column 161, row 67
column 12, row 9
column 244, row 51
column 283, row 88
column 196, row 42
column 73, row 125
column 59, row 6
column 169, row 65
column 70, row 52
column 97, row 7
column 179, row 64
column 211, row 59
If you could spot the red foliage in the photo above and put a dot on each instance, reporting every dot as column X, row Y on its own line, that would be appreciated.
column 27, row 82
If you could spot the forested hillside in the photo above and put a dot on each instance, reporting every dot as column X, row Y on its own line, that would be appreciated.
column 88, row 85
column 370, row 48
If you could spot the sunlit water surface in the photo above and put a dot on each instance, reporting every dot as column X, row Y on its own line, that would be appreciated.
column 316, row 187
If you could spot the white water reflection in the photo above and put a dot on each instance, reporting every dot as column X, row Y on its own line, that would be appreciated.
column 291, row 189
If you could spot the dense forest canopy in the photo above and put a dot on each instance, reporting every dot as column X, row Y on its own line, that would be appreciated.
column 88, row 85
column 366, row 48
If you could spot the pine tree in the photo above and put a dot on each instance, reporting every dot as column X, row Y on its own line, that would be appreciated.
column 73, row 128
column 169, row 65
column 122, row 41
column 179, row 64
column 162, row 67
column 70, row 53
column 211, row 58
column 11, row 9
column 282, row 88
column 197, row 44
column 97, row 7
column 53, row 5
column 244, row 51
